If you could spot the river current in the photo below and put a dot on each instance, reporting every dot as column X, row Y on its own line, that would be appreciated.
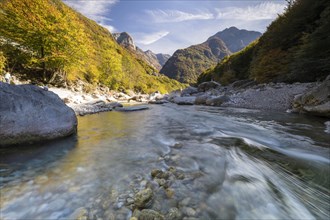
column 236, row 164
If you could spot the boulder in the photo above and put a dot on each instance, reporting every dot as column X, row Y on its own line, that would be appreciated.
column 30, row 114
column 189, row 91
column 201, row 100
column 315, row 101
column 205, row 86
column 217, row 101
column 184, row 100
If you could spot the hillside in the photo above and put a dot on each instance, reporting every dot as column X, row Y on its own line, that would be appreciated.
column 46, row 39
column 187, row 64
column 295, row 48
column 154, row 60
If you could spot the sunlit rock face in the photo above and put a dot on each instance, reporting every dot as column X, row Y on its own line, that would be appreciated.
column 31, row 114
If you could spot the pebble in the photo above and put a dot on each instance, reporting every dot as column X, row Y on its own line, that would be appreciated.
column 189, row 211
column 143, row 198
column 173, row 214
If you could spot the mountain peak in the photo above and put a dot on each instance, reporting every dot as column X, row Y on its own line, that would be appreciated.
column 125, row 40
column 236, row 39
column 187, row 64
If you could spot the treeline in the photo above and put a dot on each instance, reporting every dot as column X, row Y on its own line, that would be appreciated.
column 295, row 48
column 46, row 39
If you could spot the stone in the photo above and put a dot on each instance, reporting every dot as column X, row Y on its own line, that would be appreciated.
column 201, row 99
column 184, row 100
column 189, row 91
column 156, row 173
column 148, row 214
column 173, row 214
column 169, row 193
column 189, row 211
column 157, row 102
column 217, row 101
column 243, row 84
column 315, row 101
column 132, row 108
column 30, row 114
column 327, row 126
column 143, row 198
column 205, row 86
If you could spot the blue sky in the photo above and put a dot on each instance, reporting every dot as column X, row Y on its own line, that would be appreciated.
column 164, row 26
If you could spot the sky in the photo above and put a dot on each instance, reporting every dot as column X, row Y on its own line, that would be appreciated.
column 164, row 26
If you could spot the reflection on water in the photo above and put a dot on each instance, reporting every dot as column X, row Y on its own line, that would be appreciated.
column 237, row 163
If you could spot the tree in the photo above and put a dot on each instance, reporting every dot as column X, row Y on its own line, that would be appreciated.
column 45, row 27
column 2, row 61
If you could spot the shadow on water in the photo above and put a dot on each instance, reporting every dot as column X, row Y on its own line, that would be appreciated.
column 17, row 159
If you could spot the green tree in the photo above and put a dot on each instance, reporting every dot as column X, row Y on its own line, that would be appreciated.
column 45, row 27
column 2, row 61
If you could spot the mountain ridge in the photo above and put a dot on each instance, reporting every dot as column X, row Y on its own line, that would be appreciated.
column 295, row 48
column 126, row 40
column 187, row 64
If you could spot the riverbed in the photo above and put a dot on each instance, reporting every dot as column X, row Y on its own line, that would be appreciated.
column 233, row 164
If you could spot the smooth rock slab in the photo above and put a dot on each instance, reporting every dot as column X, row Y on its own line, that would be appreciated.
column 132, row 109
column 184, row 100
column 30, row 114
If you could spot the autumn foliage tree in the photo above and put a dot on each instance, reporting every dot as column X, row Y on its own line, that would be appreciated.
column 47, row 38
column 35, row 25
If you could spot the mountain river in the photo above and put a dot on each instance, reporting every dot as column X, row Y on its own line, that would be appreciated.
column 222, row 163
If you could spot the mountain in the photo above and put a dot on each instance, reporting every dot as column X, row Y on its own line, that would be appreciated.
column 187, row 64
column 45, row 39
column 148, row 56
column 236, row 39
column 162, row 58
column 295, row 48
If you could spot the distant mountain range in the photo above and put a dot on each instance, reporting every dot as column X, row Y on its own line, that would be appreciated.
column 187, row 64
column 155, row 60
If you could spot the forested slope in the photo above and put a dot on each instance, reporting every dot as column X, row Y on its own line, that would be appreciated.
column 45, row 38
column 295, row 48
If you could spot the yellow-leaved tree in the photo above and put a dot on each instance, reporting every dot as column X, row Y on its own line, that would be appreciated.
column 47, row 29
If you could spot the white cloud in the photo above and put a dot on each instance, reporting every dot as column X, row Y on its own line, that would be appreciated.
column 265, row 10
column 170, row 16
column 95, row 10
column 112, row 29
column 150, row 38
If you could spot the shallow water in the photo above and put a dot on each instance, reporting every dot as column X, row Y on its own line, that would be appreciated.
column 237, row 164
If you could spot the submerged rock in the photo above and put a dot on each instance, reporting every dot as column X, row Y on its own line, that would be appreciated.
column 132, row 109
column 174, row 214
column 143, row 198
column 147, row 214
column 31, row 114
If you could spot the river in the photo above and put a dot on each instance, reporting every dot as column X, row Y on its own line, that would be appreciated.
column 236, row 164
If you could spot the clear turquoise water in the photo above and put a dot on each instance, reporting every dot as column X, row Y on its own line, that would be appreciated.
column 238, row 163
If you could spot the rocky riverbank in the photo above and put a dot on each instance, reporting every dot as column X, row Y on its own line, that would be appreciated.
column 84, row 99
column 310, row 98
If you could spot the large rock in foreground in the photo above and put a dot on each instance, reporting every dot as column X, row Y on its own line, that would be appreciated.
column 315, row 101
column 30, row 114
